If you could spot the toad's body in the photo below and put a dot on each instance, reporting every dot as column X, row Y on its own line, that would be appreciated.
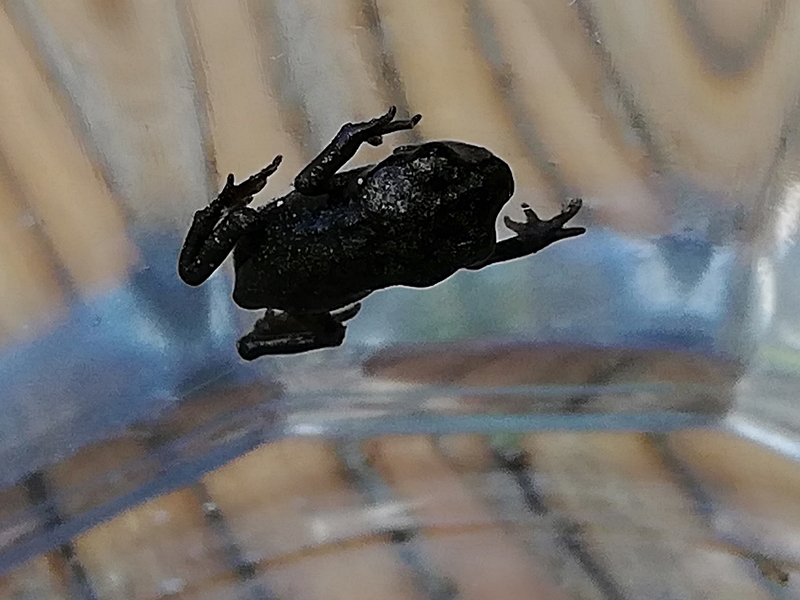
column 413, row 219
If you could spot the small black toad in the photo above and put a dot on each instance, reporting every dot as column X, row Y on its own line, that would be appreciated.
column 413, row 219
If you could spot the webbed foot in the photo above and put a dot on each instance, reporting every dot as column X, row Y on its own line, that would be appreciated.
column 235, row 196
column 372, row 131
column 279, row 332
column 548, row 231
column 533, row 234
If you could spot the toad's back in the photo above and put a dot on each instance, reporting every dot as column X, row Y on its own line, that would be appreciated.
column 316, row 254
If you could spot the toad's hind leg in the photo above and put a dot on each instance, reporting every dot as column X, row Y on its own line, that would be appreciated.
column 313, row 180
column 279, row 332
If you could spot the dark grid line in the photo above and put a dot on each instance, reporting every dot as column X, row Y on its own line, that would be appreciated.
column 704, row 505
column 569, row 534
column 38, row 491
column 405, row 540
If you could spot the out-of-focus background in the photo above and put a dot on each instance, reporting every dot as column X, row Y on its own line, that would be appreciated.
column 614, row 418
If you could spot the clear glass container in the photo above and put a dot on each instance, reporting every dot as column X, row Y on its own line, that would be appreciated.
column 594, row 421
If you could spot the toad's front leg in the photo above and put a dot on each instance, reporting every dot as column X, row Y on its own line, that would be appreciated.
column 314, row 179
column 533, row 234
column 217, row 227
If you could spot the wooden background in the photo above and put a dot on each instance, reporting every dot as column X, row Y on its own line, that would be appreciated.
column 115, row 113
column 551, row 515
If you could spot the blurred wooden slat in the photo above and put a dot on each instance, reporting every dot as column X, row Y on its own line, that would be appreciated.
column 734, row 22
column 576, row 54
column 731, row 35
column 471, row 456
column 363, row 572
column 160, row 548
column 571, row 130
column 104, row 472
column 256, row 493
column 221, row 407
column 722, row 130
column 634, row 517
column 447, row 80
column 488, row 563
column 279, row 499
column 331, row 57
column 345, row 27
column 513, row 365
column 29, row 290
column 247, row 128
column 17, row 519
column 757, row 489
column 99, row 474
column 549, row 365
column 136, row 96
column 37, row 579
column 274, row 501
column 779, row 226
column 545, row 365
column 58, row 180
column 467, row 453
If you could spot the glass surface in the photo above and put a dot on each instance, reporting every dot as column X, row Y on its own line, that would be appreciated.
column 676, row 121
